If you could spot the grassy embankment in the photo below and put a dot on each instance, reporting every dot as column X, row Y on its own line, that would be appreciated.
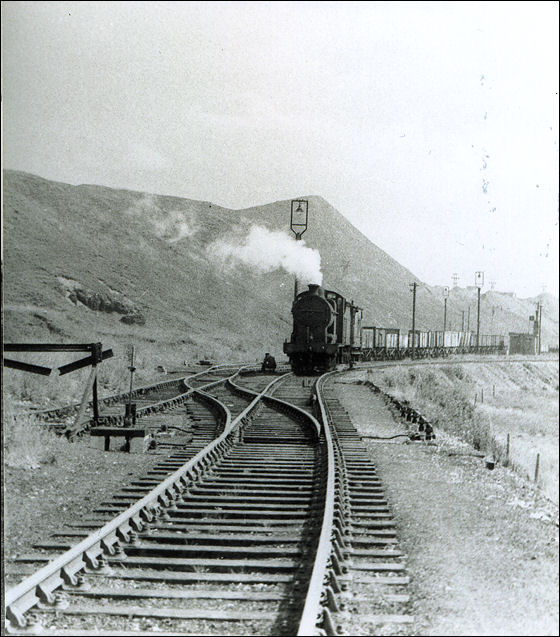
column 483, row 403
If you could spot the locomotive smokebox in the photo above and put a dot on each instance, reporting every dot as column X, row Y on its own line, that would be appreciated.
column 313, row 311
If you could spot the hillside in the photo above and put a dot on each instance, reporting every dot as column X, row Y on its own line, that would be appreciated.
column 122, row 266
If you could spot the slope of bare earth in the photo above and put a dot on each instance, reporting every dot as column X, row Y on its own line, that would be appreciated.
column 482, row 546
column 125, row 246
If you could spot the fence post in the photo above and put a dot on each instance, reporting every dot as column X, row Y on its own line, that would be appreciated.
column 537, row 467
column 493, row 391
column 482, row 395
column 507, row 449
column 95, row 397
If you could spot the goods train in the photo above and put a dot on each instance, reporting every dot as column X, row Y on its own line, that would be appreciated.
column 327, row 329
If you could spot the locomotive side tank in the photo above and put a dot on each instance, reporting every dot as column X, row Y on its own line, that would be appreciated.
column 317, row 324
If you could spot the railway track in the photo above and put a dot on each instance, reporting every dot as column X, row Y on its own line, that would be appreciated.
column 373, row 578
column 156, row 398
column 149, row 399
column 240, row 535
column 277, row 526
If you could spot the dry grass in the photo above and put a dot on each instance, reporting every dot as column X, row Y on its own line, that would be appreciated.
column 531, row 420
column 520, row 400
column 28, row 443
column 24, row 390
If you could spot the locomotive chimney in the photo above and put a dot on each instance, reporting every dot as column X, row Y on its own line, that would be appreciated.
column 315, row 289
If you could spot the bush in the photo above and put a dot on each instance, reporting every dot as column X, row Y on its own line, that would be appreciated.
column 454, row 372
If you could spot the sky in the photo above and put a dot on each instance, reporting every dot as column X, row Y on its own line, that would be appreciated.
column 431, row 126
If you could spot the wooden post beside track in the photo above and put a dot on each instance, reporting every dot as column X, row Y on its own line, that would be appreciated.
column 537, row 467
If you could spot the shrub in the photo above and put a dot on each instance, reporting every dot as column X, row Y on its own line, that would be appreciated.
column 454, row 372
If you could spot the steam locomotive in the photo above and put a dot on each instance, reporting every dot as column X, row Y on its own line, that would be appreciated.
column 327, row 329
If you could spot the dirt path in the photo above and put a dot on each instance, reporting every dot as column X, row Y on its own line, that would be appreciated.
column 482, row 545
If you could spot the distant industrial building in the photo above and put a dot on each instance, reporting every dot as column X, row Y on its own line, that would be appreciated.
column 522, row 343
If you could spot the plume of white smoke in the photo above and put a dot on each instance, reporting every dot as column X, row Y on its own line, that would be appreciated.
column 269, row 250
column 171, row 226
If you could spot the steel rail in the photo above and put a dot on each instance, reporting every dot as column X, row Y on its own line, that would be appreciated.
column 63, row 569
column 159, row 406
column 312, row 610
column 166, row 403
column 56, row 411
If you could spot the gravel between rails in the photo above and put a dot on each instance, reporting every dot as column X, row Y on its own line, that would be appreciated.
column 482, row 545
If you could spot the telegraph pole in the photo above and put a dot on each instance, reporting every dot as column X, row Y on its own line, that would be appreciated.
column 298, row 224
column 413, row 288
column 538, row 326
column 478, row 322
column 445, row 295
column 535, row 320
column 469, row 319
column 479, row 282
column 130, row 408
column 463, row 321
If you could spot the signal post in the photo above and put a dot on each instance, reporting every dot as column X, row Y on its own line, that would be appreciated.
column 298, row 224
column 479, row 282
